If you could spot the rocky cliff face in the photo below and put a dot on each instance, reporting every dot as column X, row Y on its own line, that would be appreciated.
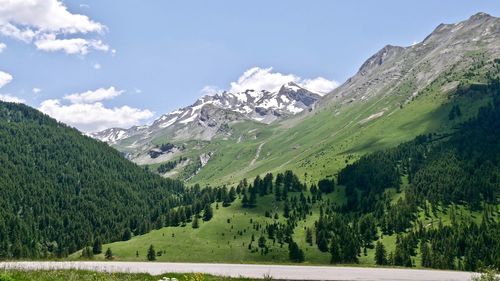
column 414, row 67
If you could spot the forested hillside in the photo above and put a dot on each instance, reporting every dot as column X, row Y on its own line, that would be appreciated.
column 60, row 190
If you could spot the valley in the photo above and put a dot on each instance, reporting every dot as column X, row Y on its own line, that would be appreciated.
column 392, row 175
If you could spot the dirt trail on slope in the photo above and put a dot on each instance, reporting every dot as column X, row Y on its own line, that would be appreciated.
column 257, row 154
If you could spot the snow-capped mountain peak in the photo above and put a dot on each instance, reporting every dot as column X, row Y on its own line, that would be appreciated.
column 261, row 106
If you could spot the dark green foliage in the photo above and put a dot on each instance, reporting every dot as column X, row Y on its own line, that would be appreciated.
column 166, row 167
column 109, row 254
column 59, row 189
column 97, row 247
column 151, row 255
column 87, row 253
column 127, row 234
column 262, row 242
column 455, row 112
column 309, row 236
column 425, row 254
column 196, row 223
column 380, row 254
column 326, row 185
column 208, row 212
column 295, row 253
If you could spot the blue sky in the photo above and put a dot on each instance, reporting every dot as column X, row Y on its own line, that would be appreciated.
column 152, row 57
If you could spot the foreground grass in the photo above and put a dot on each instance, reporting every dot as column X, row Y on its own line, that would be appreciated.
column 79, row 275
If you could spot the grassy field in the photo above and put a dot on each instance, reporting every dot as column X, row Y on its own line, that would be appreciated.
column 78, row 275
column 226, row 237
column 223, row 239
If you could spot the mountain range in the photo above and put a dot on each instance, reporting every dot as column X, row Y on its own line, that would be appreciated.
column 254, row 131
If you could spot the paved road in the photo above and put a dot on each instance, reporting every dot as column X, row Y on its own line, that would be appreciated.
column 284, row 272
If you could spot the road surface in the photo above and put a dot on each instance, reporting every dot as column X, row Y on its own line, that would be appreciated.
column 281, row 272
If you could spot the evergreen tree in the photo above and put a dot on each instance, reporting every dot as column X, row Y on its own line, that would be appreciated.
column 151, row 253
column 309, row 236
column 97, row 247
column 335, row 252
column 380, row 254
column 262, row 242
column 295, row 253
column 109, row 254
column 127, row 234
column 195, row 223
column 208, row 212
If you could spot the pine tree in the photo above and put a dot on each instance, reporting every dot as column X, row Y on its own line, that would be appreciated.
column 109, row 254
column 309, row 236
column 380, row 254
column 151, row 253
column 262, row 242
column 335, row 252
column 295, row 253
column 97, row 247
column 127, row 234
column 208, row 213
column 426, row 256
column 196, row 223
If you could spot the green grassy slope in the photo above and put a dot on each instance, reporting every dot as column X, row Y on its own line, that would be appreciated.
column 322, row 142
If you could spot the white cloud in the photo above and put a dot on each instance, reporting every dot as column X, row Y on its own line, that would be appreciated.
column 97, row 66
column 93, row 96
column 5, row 78
column 94, row 117
column 46, row 16
column 257, row 78
column 10, row 30
column 138, row 91
column 9, row 98
column 87, row 113
column 319, row 85
column 36, row 90
column 45, row 21
column 72, row 46
column 2, row 47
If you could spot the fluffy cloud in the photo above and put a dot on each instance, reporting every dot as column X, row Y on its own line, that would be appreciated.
column 9, row 98
column 36, row 90
column 94, row 96
column 87, row 113
column 5, row 78
column 257, row 78
column 43, row 21
column 71, row 46
column 2, row 47
column 319, row 85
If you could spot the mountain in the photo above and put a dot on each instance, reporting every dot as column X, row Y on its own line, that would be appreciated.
column 204, row 118
column 407, row 70
column 397, row 94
